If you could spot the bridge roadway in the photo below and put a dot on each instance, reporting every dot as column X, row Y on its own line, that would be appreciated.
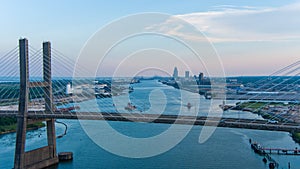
column 168, row 119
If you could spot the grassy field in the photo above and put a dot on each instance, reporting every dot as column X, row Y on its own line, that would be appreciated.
column 253, row 105
column 259, row 105
column 296, row 137
column 9, row 124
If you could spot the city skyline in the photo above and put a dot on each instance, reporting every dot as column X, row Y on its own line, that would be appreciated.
column 244, row 49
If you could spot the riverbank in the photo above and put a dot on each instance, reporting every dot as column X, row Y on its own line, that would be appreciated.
column 296, row 137
column 283, row 112
column 9, row 125
column 273, row 111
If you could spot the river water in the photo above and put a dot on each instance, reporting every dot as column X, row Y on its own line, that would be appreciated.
column 226, row 148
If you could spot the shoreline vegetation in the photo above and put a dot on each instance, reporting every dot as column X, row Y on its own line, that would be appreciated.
column 261, row 108
column 9, row 125
column 296, row 137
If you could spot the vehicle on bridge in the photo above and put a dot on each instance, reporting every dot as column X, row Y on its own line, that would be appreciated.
column 273, row 121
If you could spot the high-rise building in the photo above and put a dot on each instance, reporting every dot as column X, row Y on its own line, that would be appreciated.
column 187, row 74
column 200, row 77
column 175, row 73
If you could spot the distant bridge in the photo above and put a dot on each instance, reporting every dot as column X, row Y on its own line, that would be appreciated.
column 164, row 118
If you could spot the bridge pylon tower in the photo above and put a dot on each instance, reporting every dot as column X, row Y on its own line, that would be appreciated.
column 44, row 156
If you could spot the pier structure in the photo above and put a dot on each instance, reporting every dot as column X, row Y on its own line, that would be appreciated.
column 281, row 151
column 44, row 156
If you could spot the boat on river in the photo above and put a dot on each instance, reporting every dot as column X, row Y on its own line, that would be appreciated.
column 130, row 107
column 189, row 105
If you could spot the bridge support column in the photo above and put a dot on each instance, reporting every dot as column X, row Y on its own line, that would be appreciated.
column 44, row 156
column 23, row 103
column 48, row 98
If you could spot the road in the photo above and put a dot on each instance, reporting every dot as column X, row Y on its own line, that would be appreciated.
column 168, row 119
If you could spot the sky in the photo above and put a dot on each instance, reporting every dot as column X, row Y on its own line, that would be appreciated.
column 250, row 37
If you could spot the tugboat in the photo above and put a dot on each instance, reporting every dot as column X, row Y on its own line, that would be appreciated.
column 189, row 105
column 130, row 107
column 130, row 89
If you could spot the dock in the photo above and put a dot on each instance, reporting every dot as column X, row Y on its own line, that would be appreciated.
column 280, row 151
column 266, row 152
column 260, row 150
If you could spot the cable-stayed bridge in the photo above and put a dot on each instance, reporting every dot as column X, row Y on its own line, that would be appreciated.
column 29, row 93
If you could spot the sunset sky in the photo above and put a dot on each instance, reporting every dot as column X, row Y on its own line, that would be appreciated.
column 250, row 37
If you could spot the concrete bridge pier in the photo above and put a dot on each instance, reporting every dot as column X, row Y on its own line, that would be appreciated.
column 44, row 156
column 23, row 102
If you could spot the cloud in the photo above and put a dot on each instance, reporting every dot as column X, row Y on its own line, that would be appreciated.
column 176, row 27
column 234, row 24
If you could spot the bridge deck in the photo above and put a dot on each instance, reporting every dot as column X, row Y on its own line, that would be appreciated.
column 168, row 119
